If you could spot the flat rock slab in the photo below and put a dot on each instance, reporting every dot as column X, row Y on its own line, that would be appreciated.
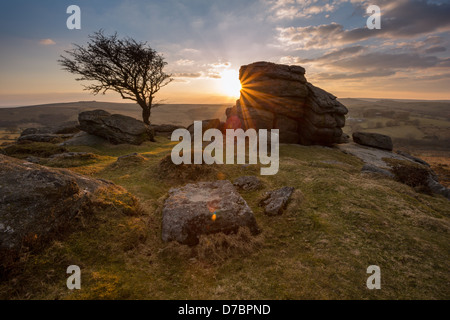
column 374, row 163
column 275, row 201
column 205, row 208
column 371, row 156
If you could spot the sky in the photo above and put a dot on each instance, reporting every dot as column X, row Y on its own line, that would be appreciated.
column 205, row 42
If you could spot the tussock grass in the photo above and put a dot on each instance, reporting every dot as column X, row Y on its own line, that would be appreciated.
column 37, row 149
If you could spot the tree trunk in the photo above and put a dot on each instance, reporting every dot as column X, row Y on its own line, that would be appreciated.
column 146, row 114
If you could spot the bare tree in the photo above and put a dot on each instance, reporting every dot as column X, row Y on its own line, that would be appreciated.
column 126, row 66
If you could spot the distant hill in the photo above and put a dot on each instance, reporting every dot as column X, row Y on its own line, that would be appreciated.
column 414, row 123
column 437, row 109
column 48, row 114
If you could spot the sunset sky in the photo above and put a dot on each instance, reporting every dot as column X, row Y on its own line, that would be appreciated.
column 206, row 41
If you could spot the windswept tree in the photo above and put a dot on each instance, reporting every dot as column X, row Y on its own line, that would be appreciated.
column 126, row 66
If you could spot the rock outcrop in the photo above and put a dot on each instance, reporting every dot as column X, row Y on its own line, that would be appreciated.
column 204, row 208
column 275, row 96
column 63, row 128
column 383, row 162
column 115, row 128
column 57, row 133
column 37, row 203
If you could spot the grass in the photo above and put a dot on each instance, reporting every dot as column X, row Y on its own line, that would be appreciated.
column 8, row 136
column 399, row 131
column 36, row 149
column 337, row 223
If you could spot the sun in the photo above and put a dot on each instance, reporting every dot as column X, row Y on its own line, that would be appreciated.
column 230, row 84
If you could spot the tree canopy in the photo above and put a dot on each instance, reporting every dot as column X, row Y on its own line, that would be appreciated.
column 131, row 68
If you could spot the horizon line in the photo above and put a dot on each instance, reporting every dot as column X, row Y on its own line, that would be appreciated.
column 217, row 103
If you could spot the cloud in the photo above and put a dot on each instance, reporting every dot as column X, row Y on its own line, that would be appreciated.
column 436, row 49
column 187, row 75
column 197, row 75
column 355, row 75
column 214, row 76
column 290, row 60
column 292, row 9
column 356, row 62
column 311, row 37
column 189, row 69
column 190, row 50
column 353, row 59
column 340, row 53
column 184, row 62
column 387, row 61
column 333, row 55
column 444, row 76
column 399, row 19
column 220, row 65
column 47, row 42
column 445, row 63
column 215, row 69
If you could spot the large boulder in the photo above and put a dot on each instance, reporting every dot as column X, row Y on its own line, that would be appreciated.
column 374, row 140
column 37, row 203
column 115, row 128
column 204, row 208
column 276, row 96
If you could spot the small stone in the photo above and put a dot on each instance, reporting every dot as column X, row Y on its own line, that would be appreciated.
column 247, row 183
column 33, row 159
column 275, row 201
